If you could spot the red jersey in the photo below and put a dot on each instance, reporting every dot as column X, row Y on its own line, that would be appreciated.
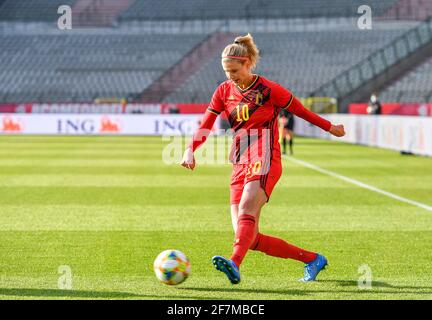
column 253, row 116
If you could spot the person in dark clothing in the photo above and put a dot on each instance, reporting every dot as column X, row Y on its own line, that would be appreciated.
column 374, row 106
column 286, row 127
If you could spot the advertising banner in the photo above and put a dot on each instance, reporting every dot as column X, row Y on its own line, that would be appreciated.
column 104, row 108
column 93, row 124
column 401, row 133
column 403, row 109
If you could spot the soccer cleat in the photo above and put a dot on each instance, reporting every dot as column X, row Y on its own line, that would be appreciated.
column 228, row 267
column 313, row 268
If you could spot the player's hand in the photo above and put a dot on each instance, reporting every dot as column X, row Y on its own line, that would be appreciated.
column 338, row 130
column 188, row 160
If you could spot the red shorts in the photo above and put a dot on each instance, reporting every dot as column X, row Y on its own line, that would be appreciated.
column 244, row 173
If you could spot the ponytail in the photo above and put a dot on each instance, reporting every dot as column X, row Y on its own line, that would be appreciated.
column 242, row 48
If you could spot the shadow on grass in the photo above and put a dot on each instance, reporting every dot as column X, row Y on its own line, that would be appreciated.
column 81, row 294
column 240, row 290
column 349, row 284
column 377, row 284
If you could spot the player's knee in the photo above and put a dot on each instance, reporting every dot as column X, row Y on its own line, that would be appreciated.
column 248, row 206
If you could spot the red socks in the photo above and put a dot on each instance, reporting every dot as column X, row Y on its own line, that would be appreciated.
column 269, row 245
column 279, row 248
column 244, row 237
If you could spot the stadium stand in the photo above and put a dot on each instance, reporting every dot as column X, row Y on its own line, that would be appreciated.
column 224, row 9
column 24, row 10
column 313, row 8
column 409, row 10
column 98, row 13
column 380, row 69
column 123, row 60
column 181, row 10
column 81, row 67
column 414, row 87
column 301, row 61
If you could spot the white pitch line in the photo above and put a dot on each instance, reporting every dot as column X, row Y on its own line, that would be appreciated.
column 360, row 184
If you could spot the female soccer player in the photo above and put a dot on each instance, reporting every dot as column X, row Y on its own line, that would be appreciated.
column 252, row 104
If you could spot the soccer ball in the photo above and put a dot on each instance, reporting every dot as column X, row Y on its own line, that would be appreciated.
column 172, row 267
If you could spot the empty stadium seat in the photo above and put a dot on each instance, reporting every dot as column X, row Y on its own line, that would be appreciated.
column 38, row 10
column 301, row 61
column 225, row 9
column 414, row 87
column 82, row 67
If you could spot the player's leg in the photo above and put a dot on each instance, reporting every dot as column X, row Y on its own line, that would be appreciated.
column 234, row 216
column 284, row 140
column 290, row 136
column 281, row 128
column 270, row 245
column 282, row 136
column 253, row 198
column 247, row 212
column 236, row 191
column 277, row 247
column 290, row 127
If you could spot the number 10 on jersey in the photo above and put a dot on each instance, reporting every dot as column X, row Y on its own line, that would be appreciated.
column 242, row 113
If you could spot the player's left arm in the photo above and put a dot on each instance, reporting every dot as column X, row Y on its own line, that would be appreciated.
column 284, row 98
column 295, row 106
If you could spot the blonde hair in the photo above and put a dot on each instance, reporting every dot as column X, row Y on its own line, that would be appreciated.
column 242, row 47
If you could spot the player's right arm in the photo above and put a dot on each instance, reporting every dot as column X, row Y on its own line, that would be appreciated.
column 215, row 108
column 198, row 139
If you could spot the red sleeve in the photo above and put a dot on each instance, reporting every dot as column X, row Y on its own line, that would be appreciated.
column 280, row 96
column 294, row 106
column 214, row 109
column 204, row 130
column 217, row 104
column 284, row 99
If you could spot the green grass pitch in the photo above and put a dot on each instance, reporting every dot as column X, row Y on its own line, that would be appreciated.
column 106, row 206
